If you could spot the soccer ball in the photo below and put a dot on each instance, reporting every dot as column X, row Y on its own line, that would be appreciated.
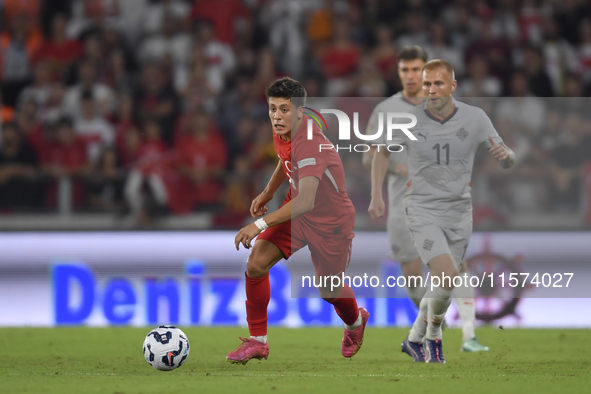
column 166, row 348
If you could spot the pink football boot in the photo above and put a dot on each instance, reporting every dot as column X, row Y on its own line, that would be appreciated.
column 353, row 339
column 249, row 348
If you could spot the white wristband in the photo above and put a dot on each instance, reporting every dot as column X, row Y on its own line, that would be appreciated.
column 261, row 224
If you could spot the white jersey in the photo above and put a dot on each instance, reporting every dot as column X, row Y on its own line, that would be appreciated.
column 396, row 183
column 440, row 164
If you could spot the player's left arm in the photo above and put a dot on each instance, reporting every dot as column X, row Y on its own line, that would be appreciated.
column 489, row 135
column 504, row 155
column 299, row 205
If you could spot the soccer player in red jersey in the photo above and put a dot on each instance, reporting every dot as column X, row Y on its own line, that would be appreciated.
column 316, row 212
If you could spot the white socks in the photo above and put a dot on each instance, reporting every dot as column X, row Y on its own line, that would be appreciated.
column 417, row 332
column 354, row 325
column 431, row 313
column 416, row 294
column 437, row 306
column 261, row 339
column 467, row 312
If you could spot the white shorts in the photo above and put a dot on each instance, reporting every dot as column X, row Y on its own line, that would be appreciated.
column 432, row 241
column 403, row 250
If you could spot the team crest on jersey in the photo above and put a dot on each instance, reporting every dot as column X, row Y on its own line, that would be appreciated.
column 462, row 134
column 428, row 244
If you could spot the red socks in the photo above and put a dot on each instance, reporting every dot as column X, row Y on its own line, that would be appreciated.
column 258, row 294
column 346, row 306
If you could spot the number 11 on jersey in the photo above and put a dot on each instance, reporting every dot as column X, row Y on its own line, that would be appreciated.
column 439, row 148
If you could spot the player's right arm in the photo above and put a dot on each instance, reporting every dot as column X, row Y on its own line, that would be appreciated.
column 258, row 207
column 379, row 167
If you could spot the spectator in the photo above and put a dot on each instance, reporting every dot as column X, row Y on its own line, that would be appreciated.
column 438, row 48
column 19, row 165
column 28, row 9
column 59, row 51
column 282, row 19
column 238, row 195
column 87, row 15
column 159, row 10
column 124, row 121
column 505, row 21
column 128, row 16
column 384, row 53
column 559, row 55
column 150, row 169
column 225, row 15
column 414, row 31
column 29, row 125
column 197, row 89
column 266, row 73
column 479, row 82
column 87, row 73
column 340, row 60
column 569, row 15
column 566, row 164
column 104, row 185
column 156, row 99
column 94, row 52
column 463, row 27
column 496, row 52
column 584, row 51
column 217, row 55
column 525, row 112
column 243, row 141
column 170, row 42
column 96, row 131
column 368, row 82
column 202, row 158
column 539, row 82
column 530, row 23
column 65, row 158
column 16, row 51
column 117, row 75
column 46, row 93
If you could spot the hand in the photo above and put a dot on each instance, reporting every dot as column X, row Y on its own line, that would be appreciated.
column 245, row 235
column 258, row 207
column 377, row 208
column 498, row 151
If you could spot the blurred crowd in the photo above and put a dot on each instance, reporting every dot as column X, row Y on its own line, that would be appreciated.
column 157, row 107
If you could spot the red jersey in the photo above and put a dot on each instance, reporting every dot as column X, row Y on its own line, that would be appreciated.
column 333, row 211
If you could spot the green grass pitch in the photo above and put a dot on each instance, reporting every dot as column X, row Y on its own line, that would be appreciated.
column 109, row 360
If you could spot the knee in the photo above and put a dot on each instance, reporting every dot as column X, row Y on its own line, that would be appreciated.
column 256, row 267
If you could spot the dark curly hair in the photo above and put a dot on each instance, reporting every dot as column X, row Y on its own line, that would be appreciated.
column 287, row 88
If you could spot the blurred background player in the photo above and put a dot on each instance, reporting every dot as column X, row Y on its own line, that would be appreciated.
column 437, row 202
column 410, row 67
column 317, row 212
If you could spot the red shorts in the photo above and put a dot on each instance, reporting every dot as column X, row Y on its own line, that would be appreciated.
column 330, row 255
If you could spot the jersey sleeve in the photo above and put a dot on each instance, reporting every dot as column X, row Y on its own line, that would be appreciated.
column 308, row 157
column 487, row 129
